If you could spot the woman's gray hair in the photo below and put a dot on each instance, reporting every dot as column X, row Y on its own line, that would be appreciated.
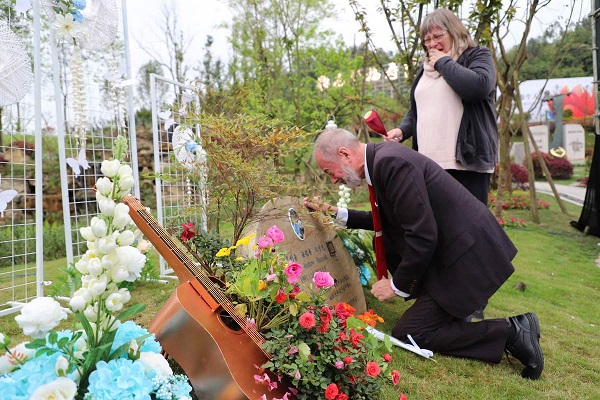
column 448, row 21
column 329, row 142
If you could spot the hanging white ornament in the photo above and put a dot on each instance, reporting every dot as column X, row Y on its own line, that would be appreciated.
column 15, row 67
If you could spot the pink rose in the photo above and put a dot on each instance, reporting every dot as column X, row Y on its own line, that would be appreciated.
column 276, row 234
column 293, row 271
column 265, row 242
column 323, row 279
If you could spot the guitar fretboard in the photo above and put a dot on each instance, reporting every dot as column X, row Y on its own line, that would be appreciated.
column 182, row 263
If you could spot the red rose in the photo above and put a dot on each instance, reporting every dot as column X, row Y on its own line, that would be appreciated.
column 331, row 391
column 307, row 320
column 348, row 360
column 395, row 377
column 189, row 231
column 402, row 397
column 372, row 369
column 281, row 296
column 387, row 357
column 342, row 396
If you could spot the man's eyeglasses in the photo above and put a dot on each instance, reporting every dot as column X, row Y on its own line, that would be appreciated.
column 436, row 37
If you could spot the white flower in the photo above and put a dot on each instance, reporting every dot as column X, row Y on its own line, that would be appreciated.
column 156, row 362
column 133, row 260
column 87, row 234
column 114, row 302
column 66, row 27
column 121, row 218
column 96, row 285
column 61, row 388
column 20, row 353
column 90, row 313
column 3, row 340
column 94, row 266
column 61, row 367
column 104, row 186
column 98, row 226
column 107, row 206
column 107, row 244
column 118, row 273
column 77, row 303
column 110, row 168
column 134, row 350
column 125, row 183
column 126, row 238
column 82, row 264
column 39, row 316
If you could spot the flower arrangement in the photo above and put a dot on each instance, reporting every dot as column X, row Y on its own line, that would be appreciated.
column 101, row 357
column 322, row 349
column 68, row 19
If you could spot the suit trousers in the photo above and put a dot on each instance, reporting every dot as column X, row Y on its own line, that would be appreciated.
column 432, row 328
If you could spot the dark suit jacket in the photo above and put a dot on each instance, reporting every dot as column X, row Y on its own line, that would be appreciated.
column 437, row 235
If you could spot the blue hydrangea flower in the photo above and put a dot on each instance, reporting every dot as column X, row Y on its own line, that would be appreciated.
column 121, row 379
column 35, row 373
column 79, row 4
column 171, row 387
column 128, row 331
column 191, row 146
column 13, row 389
column 365, row 274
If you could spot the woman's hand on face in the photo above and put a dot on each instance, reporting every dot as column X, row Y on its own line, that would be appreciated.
column 394, row 135
column 434, row 55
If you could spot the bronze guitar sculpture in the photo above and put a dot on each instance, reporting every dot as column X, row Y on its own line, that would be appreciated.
column 199, row 327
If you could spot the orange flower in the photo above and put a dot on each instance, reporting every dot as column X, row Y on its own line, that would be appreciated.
column 370, row 318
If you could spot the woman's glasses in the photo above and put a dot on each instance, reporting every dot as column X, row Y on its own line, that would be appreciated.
column 436, row 36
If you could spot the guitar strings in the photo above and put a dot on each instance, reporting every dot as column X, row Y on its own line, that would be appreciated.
column 184, row 258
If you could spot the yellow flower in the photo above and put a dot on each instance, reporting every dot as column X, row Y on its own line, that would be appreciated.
column 245, row 240
column 261, row 285
column 239, row 259
column 225, row 251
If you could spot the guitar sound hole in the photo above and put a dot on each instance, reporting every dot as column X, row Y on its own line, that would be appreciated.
column 229, row 322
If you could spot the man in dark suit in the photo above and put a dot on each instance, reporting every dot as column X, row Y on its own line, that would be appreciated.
column 443, row 248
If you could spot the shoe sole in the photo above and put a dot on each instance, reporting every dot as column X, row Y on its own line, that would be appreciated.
column 534, row 325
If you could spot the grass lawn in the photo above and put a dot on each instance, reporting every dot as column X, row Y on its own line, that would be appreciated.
column 556, row 263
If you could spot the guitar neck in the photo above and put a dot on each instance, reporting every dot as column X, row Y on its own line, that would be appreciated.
column 182, row 263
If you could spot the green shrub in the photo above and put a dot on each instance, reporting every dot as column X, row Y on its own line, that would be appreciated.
column 17, row 243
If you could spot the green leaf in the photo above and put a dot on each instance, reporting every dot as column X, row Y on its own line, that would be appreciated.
column 304, row 351
column 131, row 311
column 293, row 309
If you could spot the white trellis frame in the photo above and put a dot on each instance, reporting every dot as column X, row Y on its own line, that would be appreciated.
column 21, row 227
column 108, row 117
column 179, row 198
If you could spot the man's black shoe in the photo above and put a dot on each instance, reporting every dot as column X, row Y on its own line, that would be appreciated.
column 524, row 344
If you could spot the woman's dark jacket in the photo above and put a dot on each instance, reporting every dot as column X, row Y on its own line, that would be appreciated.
column 473, row 78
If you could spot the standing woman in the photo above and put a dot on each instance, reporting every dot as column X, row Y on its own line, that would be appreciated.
column 452, row 118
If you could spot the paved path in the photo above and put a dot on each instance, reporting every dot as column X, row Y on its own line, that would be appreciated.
column 571, row 193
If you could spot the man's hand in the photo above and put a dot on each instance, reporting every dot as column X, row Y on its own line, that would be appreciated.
column 394, row 135
column 382, row 290
column 316, row 204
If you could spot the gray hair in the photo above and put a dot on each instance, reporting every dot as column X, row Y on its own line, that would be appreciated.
column 448, row 21
column 329, row 142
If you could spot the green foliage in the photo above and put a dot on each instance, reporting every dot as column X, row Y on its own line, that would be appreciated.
column 246, row 154
column 19, row 240
column 560, row 53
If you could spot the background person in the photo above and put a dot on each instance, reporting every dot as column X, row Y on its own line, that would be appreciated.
column 443, row 248
column 452, row 117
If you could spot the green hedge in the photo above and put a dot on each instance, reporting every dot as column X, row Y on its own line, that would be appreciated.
column 19, row 241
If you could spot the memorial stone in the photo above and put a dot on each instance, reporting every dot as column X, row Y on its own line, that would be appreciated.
column 517, row 153
column 540, row 135
column 313, row 244
column 574, row 143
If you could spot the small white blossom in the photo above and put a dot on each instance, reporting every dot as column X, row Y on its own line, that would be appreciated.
column 87, row 234
column 66, row 27
column 110, row 168
column 107, row 207
column 121, row 218
column 126, row 238
column 98, row 225
column 104, row 186
column 62, row 388
column 61, row 367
